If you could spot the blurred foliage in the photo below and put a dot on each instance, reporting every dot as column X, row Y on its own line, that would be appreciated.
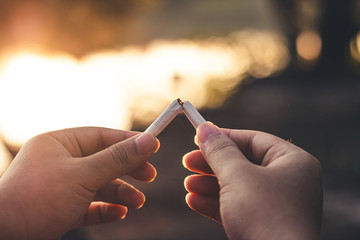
column 337, row 23
column 77, row 27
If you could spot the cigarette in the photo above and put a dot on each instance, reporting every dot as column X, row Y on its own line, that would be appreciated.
column 192, row 114
column 170, row 113
column 165, row 117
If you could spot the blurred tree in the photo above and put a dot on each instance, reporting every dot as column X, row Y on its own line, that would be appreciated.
column 75, row 27
column 288, row 15
column 337, row 27
column 336, row 24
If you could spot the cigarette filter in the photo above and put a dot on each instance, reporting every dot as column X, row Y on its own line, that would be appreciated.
column 165, row 118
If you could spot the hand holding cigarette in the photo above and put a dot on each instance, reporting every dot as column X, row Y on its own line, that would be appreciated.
column 69, row 178
column 241, row 195
column 256, row 185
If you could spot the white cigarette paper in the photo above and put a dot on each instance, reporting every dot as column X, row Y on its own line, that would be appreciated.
column 170, row 113
column 192, row 114
column 165, row 118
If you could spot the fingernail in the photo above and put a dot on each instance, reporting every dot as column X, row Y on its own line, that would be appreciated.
column 206, row 130
column 145, row 143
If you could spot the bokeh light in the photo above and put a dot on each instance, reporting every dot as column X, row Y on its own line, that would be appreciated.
column 42, row 91
column 5, row 158
column 355, row 47
column 308, row 46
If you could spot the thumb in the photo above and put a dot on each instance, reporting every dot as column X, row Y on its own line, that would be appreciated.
column 119, row 159
column 220, row 152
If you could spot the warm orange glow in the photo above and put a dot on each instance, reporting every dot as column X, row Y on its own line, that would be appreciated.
column 41, row 93
column 355, row 47
column 5, row 158
column 46, row 91
column 308, row 46
column 266, row 52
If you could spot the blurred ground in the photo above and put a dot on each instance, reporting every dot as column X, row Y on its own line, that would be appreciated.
column 322, row 118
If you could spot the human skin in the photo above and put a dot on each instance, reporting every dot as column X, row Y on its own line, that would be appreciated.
column 68, row 179
column 256, row 185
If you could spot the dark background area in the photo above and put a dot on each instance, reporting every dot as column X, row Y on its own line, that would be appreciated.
column 315, row 105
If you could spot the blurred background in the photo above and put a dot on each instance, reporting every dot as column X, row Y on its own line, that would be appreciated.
column 290, row 68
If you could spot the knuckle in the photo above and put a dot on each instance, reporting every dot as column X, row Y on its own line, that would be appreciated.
column 219, row 147
column 119, row 155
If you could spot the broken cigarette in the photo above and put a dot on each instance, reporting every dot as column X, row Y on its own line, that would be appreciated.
column 165, row 118
column 170, row 113
column 192, row 114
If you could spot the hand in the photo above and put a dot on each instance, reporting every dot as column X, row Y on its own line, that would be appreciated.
column 255, row 184
column 67, row 179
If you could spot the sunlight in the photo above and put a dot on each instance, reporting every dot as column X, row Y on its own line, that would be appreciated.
column 42, row 91
column 5, row 158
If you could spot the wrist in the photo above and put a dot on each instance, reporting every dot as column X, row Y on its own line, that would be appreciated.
column 272, row 226
column 285, row 230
